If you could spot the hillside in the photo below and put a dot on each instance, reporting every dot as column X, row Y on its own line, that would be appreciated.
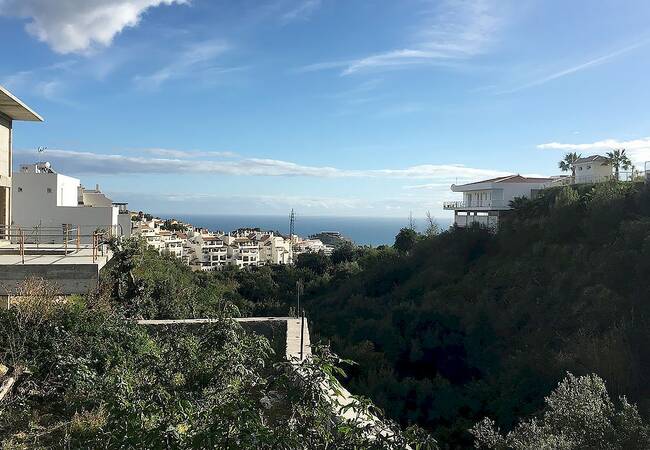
column 91, row 377
column 468, row 324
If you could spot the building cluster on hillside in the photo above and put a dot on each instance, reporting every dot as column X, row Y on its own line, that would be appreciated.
column 207, row 250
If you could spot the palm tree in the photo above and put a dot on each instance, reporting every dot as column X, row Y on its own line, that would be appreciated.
column 569, row 163
column 618, row 159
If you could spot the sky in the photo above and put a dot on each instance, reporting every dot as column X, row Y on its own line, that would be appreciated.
column 330, row 107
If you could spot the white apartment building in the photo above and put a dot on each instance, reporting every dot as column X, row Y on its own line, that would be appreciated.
column 45, row 199
column 242, row 251
column 275, row 250
column 593, row 169
column 484, row 201
column 150, row 236
column 212, row 252
column 11, row 109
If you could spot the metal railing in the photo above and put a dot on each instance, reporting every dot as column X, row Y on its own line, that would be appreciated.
column 66, row 240
column 637, row 175
column 484, row 204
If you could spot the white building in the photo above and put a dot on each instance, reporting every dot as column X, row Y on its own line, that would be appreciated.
column 11, row 109
column 593, row 169
column 484, row 201
column 211, row 251
column 275, row 250
column 51, row 201
column 310, row 246
column 242, row 251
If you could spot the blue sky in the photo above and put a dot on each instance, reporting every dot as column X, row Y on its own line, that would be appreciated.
column 331, row 107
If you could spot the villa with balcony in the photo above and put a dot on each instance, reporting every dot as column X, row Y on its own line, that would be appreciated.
column 484, row 201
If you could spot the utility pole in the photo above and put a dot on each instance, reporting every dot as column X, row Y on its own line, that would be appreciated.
column 292, row 224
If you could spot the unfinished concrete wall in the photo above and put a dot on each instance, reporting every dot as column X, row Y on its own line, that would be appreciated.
column 69, row 278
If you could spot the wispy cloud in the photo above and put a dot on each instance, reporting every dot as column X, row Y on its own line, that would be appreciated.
column 76, row 162
column 78, row 26
column 300, row 10
column 637, row 149
column 576, row 68
column 186, row 154
column 46, row 82
column 452, row 31
column 195, row 60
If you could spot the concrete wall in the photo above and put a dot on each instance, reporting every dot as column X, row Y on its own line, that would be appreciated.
column 69, row 278
column 67, row 190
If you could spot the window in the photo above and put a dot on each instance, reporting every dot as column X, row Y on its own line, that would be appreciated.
column 20, row 189
column 49, row 190
column 588, row 167
column 580, row 168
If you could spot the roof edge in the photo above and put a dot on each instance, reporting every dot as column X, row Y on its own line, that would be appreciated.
column 35, row 117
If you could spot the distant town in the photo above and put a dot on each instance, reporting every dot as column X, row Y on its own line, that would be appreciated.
column 208, row 250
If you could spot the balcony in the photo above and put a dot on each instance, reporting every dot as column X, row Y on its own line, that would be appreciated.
column 485, row 205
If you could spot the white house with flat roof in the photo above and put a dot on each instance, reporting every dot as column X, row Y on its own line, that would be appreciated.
column 484, row 201
column 11, row 109
column 45, row 199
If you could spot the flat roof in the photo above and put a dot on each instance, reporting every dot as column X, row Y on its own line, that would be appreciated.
column 15, row 109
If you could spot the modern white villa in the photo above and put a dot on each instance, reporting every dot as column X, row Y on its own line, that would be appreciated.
column 36, row 196
column 484, row 201
column 43, row 198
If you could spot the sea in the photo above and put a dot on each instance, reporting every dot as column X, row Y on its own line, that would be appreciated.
column 373, row 231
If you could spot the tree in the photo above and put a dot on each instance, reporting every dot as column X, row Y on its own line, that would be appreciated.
column 569, row 163
column 317, row 262
column 405, row 240
column 347, row 251
column 578, row 414
column 618, row 159
column 432, row 226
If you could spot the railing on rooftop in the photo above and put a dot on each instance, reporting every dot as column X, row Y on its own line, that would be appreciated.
column 636, row 176
column 67, row 239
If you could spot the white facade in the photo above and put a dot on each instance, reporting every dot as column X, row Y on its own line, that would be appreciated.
column 11, row 109
column 310, row 246
column 242, row 252
column 484, row 201
column 593, row 169
column 275, row 250
column 45, row 199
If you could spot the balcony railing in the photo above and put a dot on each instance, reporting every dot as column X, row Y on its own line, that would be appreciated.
column 486, row 204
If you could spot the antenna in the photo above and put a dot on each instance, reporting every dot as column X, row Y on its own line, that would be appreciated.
column 41, row 149
column 292, row 223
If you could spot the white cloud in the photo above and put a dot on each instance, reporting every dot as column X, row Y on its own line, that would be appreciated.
column 453, row 30
column 195, row 60
column 181, row 154
column 75, row 162
column 576, row 68
column 74, row 26
column 300, row 10
column 638, row 150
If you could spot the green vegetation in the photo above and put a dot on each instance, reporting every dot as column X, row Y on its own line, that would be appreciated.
column 93, row 378
column 172, row 226
column 464, row 324
column 468, row 324
column 454, row 331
